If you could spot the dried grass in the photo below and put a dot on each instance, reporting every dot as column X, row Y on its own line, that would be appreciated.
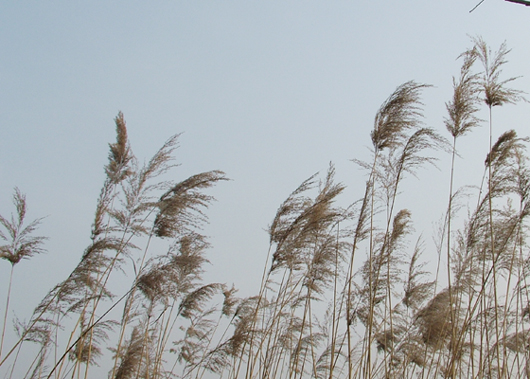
column 344, row 293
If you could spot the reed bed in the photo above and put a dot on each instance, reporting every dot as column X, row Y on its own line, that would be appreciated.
column 345, row 292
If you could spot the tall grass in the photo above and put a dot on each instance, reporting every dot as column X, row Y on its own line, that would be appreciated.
column 345, row 292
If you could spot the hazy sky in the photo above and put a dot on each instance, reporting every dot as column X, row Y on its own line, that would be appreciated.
column 268, row 91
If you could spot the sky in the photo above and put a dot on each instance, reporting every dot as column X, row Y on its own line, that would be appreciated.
column 270, row 92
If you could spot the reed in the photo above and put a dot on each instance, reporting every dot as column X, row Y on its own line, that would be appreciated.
column 345, row 290
column 21, row 244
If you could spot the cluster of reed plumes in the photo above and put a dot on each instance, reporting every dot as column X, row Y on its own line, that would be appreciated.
column 344, row 293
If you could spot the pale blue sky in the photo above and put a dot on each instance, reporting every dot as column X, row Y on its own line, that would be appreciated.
column 268, row 91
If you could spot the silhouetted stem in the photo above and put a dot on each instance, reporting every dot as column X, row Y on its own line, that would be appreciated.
column 7, row 308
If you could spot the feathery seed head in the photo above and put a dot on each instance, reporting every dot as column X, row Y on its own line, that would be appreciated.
column 180, row 207
column 495, row 90
column 120, row 154
column 400, row 112
column 505, row 148
column 464, row 104
column 20, row 243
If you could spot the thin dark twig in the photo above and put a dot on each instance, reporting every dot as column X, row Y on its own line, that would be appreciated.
column 476, row 6
column 522, row 2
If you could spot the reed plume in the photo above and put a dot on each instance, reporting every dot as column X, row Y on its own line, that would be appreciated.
column 463, row 106
column 495, row 90
column 399, row 113
column 21, row 244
